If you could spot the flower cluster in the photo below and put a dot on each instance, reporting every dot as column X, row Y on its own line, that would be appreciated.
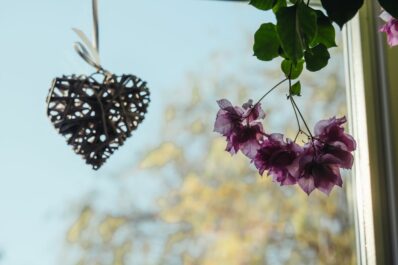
column 390, row 28
column 316, row 165
column 241, row 125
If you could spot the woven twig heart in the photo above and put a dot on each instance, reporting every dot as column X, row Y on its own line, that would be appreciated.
column 97, row 113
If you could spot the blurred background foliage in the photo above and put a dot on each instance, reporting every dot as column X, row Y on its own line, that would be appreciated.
column 213, row 208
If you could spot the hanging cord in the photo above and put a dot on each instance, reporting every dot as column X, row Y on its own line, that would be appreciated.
column 89, row 51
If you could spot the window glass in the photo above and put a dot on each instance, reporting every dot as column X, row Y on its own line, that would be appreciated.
column 171, row 194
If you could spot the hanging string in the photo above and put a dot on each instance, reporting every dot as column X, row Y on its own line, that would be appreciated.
column 89, row 51
column 95, row 24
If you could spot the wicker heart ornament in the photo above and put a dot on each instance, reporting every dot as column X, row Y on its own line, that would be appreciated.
column 97, row 113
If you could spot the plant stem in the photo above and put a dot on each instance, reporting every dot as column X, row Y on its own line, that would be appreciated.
column 302, row 117
column 294, row 109
column 266, row 94
column 297, row 119
column 269, row 91
column 295, row 113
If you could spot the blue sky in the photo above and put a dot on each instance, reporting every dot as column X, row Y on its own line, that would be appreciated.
column 158, row 40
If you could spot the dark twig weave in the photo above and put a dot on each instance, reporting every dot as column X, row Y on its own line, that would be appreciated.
column 97, row 113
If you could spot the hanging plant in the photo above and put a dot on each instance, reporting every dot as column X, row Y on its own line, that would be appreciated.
column 301, row 37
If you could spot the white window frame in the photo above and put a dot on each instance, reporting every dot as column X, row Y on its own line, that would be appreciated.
column 371, row 76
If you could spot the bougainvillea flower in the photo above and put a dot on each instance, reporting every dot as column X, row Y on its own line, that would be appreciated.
column 316, row 171
column 339, row 152
column 253, row 113
column 276, row 155
column 228, row 118
column 330, row 138
column 247, row 139
column 390, row 28
column 241, row 126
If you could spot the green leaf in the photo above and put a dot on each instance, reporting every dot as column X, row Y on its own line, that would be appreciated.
column 288, row 67
column 307, row 19
column 295, row 90
column 282, row 53
column 266, row 42
column 317, row 58
column 341, row 11
column 278, row 5
column 296, row 27
column 262, row 4
column 391, row 6
column 326, row 34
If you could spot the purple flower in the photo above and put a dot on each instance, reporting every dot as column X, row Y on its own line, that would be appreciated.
column 331, row 139
column 246, row 139
column 316, row 171
column 228, row 118
column 315, row 166
column 253, row 113
column 276, row 155
column 390, row 28
column 241, row 126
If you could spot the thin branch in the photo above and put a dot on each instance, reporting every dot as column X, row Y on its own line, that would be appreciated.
column 266, row 94
column 269, row 91
column 302, row 117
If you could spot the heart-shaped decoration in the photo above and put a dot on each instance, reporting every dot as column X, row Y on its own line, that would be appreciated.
column 97, row 113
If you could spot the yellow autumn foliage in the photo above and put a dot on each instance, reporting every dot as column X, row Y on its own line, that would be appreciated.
column 165, row 153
